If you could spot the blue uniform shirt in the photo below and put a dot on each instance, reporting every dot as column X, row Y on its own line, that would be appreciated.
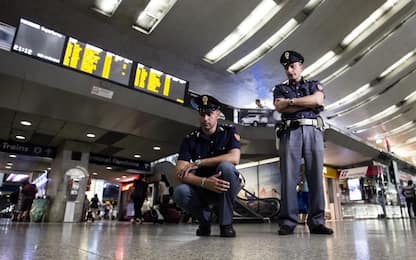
column 197, row 145
column 296, row 90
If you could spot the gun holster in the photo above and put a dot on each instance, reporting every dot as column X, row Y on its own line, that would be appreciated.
column 279, row 128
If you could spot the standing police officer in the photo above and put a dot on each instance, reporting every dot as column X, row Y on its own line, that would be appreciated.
column 300, row 102
column 206, row 168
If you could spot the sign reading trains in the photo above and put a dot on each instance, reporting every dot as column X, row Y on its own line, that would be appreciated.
column 159, row 83
column 93, row 60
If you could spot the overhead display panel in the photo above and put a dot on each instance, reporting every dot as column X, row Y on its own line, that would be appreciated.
column 38, row 41
column 96, row 61
column 159, row 83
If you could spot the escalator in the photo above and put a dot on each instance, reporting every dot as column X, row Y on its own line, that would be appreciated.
column 254, row 209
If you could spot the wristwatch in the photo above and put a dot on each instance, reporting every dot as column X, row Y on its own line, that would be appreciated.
column 291, row 102
column 197, row 162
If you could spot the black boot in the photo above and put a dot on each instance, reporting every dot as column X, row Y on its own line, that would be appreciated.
column 203, row 230
column 227, row 231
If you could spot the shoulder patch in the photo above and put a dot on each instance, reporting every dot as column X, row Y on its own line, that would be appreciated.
column 319, row 87
column 237, row 137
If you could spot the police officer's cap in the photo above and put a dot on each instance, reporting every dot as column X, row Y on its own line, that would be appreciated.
column 289, row 57
column 205, row 104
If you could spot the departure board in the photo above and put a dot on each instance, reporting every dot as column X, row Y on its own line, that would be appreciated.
column 93, row 60
column 159, row 83
column 36, row 40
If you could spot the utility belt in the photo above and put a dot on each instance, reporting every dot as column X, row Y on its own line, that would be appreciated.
column 285, row 125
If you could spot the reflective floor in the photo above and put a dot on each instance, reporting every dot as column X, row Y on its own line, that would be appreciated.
column 360, row 239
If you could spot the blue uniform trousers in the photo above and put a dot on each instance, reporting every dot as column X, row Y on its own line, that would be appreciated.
column 307, row 142
column 196, row 200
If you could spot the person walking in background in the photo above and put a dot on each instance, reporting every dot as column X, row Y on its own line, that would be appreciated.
column 381, row 199
column 410, row 194
column 303, row 197
column 28, row 195
column 138, row 196
column 95, row 207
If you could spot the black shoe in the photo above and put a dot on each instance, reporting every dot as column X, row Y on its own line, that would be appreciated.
column 203, row 231
column 227, row 231
column 321, row 229
column 285, row 230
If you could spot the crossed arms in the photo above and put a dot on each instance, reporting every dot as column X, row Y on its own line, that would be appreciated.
column 311, row 101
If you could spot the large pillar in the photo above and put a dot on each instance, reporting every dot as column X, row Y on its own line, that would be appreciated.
column 70, row 155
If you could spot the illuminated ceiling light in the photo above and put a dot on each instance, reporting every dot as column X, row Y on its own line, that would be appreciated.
column 265, row 48
column 362, row 91
column 152, row 14
column 410, row 141
column 379, row 141
column 410, row 98
column 49, row 168
column 156, row 148
column 94, row 173
column 137, row 156
column 336, row 74
column 8, row 167
column 322, row 63
column 20, row 137
column 106, row 7
column 109, row 168
column 389, row 111
column 369, row 22
column 90, row 135
column 396, row 64
column 311, row 5
column 396, row 130
column 124, row 176
column 12, row 156
column 117, row 179
column 250, row 25
column 25, row 123
column 378, row 125
column 10, row 163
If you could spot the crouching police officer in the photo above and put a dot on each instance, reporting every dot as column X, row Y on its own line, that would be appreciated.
column 206, row 168
column 300, row 102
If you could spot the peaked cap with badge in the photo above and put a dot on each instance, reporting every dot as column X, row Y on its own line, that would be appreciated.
column 289, row 57
column 205, row 104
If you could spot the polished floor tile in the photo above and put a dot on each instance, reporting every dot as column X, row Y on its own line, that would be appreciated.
column 364, row 239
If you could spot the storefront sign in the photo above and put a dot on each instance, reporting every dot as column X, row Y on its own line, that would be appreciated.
column 27, row 149
column 353, row 173
column 330, row 172
column 120, row 162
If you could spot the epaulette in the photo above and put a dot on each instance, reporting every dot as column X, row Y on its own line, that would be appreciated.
column 226, row 126
column 194, row 133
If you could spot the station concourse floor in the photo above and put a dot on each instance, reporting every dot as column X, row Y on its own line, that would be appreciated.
column 353, row 239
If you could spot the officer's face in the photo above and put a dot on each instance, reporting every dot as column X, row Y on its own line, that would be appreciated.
column 294, row 71
column 209, row 120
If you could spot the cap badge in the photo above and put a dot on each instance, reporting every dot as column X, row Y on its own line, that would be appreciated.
column 287, row 54
column 205, row 100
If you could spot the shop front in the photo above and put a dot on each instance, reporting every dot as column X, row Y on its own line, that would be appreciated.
column 365, row 191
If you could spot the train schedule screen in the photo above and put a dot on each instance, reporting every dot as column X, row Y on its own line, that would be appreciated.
column 96, row 61
column 160, row 84
column 35, row 40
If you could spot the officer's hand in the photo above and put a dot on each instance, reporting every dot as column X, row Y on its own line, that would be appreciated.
column 216, row 184
column 281, row 103
column 186, row 171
